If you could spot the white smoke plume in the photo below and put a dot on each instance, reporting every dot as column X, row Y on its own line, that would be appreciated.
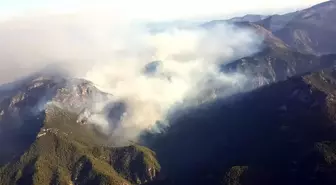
column 150, row 73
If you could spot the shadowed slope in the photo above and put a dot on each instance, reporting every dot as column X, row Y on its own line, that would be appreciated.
column 283, row 133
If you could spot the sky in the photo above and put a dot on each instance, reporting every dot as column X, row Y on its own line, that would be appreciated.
column 152, row 10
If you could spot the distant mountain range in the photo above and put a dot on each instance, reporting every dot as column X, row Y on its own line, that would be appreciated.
column 310, row 30
column 248, row 18
column 283, row 132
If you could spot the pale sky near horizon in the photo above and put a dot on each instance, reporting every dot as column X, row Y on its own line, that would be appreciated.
column 152, row 9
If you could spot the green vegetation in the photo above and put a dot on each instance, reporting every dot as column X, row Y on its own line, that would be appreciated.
column 130, row 162
column 69, row 153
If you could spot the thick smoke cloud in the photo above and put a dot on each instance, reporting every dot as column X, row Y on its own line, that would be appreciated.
column 148, row 74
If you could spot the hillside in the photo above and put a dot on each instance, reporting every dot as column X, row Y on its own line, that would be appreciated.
column 286, row 135
column 276, row 60
column 277, row 22
column 309, row 30
column 276, row 64
column 52, row 147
